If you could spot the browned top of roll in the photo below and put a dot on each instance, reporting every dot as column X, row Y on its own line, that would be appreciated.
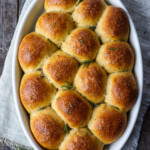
column 124, row 89
column 47, row 128
column 115, row 22
column 74, row 108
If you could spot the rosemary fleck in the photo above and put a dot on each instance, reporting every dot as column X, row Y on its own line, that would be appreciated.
column 41, row 74
column 101, row 127
column 67, row 87
column 92, row 27
column 48, row 15
column 79, row 1
column 66, row 128
column 42, row 108
column 71, row 104
column 113, row 48
column 81, row 41
column 86, row 63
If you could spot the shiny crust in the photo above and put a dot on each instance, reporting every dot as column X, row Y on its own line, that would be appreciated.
column 33, row 50
column 91, row 81
column 122, row 90
column 55, row 26
column 82, row 44
column 116, row 56
column 60, row 69
column 88, row 12
column 114, row 25
column 47, row 128
column 35, row 91
column 72, row 108
column 81, row 139
column 107, row 123
column 60, row 5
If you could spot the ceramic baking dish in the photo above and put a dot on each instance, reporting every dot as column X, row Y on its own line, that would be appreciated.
column 26, row 26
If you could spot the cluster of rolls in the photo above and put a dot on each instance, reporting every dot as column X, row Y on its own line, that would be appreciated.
column 78, row 84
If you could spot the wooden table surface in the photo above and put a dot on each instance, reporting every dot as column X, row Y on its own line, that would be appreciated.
column 9, row 13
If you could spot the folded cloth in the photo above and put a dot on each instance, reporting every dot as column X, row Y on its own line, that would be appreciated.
column 10, row 130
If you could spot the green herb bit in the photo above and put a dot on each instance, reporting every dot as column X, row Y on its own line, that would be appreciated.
column 42, row 108
column 67, row 87
column 91, row 36
column 113, row 48
column 42, row 74
column 81, row 41
column 66, row 128
column 48, row 15
column 71, row 104
column 101, row 127
column 92, row 28
column 86, row 63
column 79, row 1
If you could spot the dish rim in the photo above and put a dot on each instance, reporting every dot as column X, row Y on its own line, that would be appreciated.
column 18, row 105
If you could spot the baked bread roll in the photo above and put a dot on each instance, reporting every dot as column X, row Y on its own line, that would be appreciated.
column 35, row 91
column 33, row 50
column 81, row 139
column 88, row 12
column 82, row 44
column 72, row 108
column 91, row 81
column 107, row 123
column 113, row 25
column 55, row 26
column 60, row 5
column 122, row 90
column 47, row 128
column 116, row 56
column 60, row 69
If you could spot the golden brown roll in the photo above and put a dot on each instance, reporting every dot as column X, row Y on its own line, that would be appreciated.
column 60, row 69
column 36, row 91
column 122, row 90
column 81, row 139
column 47, row 128
column 55, row 26
column 33, row 50
column 116, row 56
column 88, row 12
column 82, row 44
column 72, row 108
column 60, row 5
column 113, row 25
column 91, row 81
column 107, row 123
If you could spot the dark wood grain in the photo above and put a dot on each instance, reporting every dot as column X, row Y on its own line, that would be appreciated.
column 9, row 13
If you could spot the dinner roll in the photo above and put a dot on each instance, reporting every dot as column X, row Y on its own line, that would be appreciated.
column 122, row 90
column 107, row 123
column 33, row 50
column 90, row 81
column 82, row 44
column 47, row 128
column 60, row 5
column 116, row 56
column 35, row 91
column 60, row 69
column 88, row 12
column 113, row 25
column 72, row 108
column 81, row 139
column 55, row 26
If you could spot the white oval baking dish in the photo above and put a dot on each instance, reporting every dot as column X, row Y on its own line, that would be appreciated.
column 27, row 24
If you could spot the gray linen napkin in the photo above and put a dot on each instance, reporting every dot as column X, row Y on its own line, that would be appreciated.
column 9, row 125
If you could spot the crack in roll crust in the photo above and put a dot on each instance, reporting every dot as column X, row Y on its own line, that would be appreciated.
column 33, row 50
column 47, row 128
column 35, row 92
column 88, row 12
column 107, row 123
column 72, row 108
column 122, row 90
column 113, row 25
column 116, row 56
column 82, row 44
column 81, row 139
column 91, row 82
column 60, row 5
column 55, row 26
column 60, row 69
